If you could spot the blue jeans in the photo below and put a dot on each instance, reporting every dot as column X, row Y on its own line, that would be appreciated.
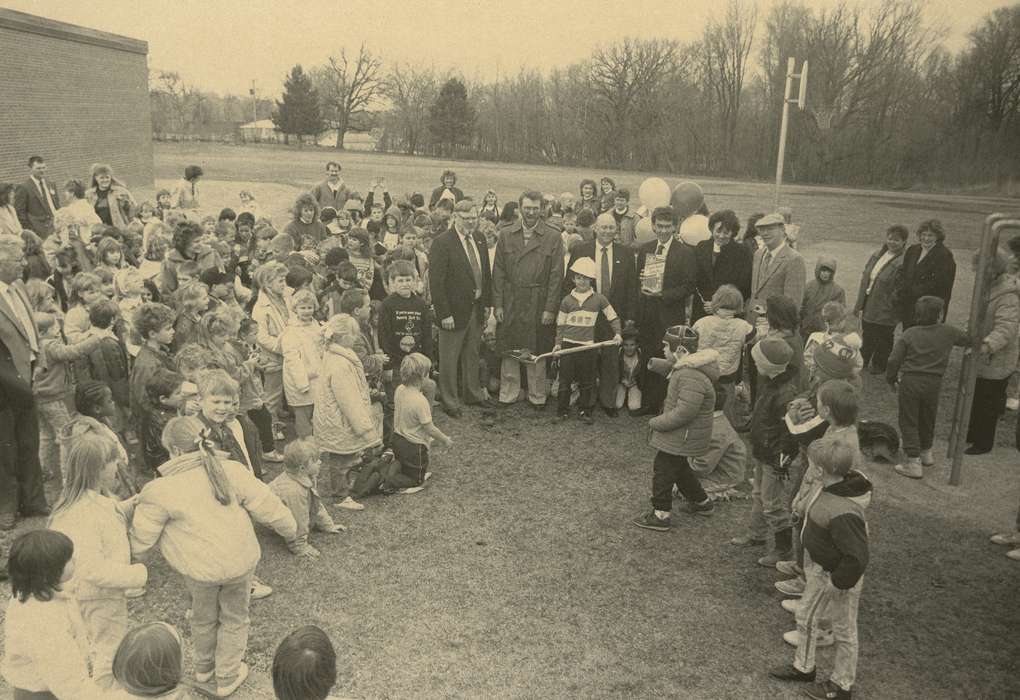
column 220, row 625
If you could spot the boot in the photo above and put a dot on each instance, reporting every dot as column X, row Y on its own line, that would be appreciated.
column 782, row 549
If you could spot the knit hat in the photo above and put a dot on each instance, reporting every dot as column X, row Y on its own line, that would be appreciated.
column 837, row 357
column 772, row 356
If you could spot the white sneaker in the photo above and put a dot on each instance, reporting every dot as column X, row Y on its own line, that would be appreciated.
column 1012, row 538
column 1014, row 554
column 912, row 469
column 428, row 475
column 1013, row 404
column 260, row 590
column 792, row 587
column 791, row 605
column 409, row 490
column 350, row 504
column 242, row 676
column 823, row 638
column 204, row 678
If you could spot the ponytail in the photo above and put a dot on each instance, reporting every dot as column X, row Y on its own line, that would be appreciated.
column 213, row 469
column 188, row 434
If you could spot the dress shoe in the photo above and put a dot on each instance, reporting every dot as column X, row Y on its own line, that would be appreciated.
column 452, row 411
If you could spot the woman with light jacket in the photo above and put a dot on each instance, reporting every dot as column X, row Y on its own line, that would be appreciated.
column 1000, row 343
column 876, row 299
column 271, row 312
column 109, row 198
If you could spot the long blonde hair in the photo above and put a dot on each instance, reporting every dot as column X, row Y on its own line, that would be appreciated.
column 88, row 455
column 186, row 434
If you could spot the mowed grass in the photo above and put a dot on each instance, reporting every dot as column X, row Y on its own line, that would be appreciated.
column 517, row 574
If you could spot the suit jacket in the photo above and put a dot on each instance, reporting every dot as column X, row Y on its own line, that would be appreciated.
column 19, row 341
column 623, row 289
column 325, row 197
column 33, row 212
column 932, row 276
column 786, row 275
column 732, row 265
column 679, row 282
column 451, row 282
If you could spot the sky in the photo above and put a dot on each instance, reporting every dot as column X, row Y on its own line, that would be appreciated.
column 222, row 45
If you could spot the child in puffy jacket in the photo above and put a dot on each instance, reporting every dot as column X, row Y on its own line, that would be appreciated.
column 728, row 333
column 302, row 345
column 200, row 514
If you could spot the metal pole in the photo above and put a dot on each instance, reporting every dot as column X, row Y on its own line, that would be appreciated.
column 254, row 104
column 790, row 63
column 994, row 225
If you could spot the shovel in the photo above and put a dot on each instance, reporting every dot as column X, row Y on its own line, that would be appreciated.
column 528, row 358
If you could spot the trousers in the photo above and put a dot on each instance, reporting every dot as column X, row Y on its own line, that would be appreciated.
column 918, row 409
column 770, row 510
column 458, row 358
column 220, row 625
column 670, row 469
column 822, row 599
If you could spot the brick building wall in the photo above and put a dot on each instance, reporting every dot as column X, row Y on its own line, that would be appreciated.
column 75, row 96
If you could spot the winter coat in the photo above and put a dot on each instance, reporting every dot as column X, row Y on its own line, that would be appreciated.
column 525, row 283
column 816, row 295
column 122, row 204
column 835, row 531
column 98, row 526
column 626, row 225
column 147, row 362
column 51, row 379
column 302, row 360
column 198, row 536
column 1001, row 329
column 685, row 425
column 108, row 364
column 879, row 307
column 344, row 420
column 300, row 495
column 731, row 265
column 932, row 276
column 272, row 319
column 725, row 333
column 770, row 437
column 46, row 648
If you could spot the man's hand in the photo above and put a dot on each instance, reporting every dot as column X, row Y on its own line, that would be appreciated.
column 447, row 323
column 548, row 318
column 499, row 315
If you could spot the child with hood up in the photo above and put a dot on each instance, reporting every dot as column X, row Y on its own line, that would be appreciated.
column 818, row 292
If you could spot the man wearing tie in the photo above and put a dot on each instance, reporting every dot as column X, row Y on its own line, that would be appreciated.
column 36, row 199
column 666, row 306
column 777, row 268
column 21, row 483
column 461, row 285
column 616, row 279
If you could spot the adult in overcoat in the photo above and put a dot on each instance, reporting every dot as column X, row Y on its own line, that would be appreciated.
column 928, row 270
column 876, row 299
column 721, row 260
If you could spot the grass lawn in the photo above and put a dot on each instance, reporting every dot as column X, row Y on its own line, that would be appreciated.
column 517, row 574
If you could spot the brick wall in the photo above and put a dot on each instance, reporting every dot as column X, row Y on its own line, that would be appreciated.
column 74, row 96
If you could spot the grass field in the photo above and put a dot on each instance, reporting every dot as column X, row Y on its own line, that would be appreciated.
column 516, row 573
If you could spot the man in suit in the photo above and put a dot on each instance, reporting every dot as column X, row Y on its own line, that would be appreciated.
column 721, row 261
column 663, row 305
column 331, row 192
column 777, row 268
column 460, row 281
column 36, row 199
column 616, row 279
column 21, row 482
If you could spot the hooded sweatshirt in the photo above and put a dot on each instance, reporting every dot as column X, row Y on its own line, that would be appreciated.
column 389, row 239
column 817, row 294
column 685, row 425
column 835, row 531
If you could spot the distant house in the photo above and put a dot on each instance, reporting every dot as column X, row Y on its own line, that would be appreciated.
column 265, row 131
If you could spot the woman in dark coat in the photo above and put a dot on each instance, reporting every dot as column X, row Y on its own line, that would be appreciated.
column 928, row 270
column 721, row 260
column 876, row 299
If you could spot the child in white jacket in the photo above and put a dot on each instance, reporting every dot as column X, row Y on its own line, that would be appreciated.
column 200, row 513
column 302, row 346
column 98, row 526
column 45, row 642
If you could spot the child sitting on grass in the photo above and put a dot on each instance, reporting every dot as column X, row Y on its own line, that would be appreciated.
column 149, row 663
column 98, row 526
column 200, row 513
column 296, row 487
column 413, row 429
column 835, row 536
column 722, row 469
column 46, row 646
column 916, row 366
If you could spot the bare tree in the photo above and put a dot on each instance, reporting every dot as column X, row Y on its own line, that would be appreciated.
column 725, row 51
column 347, row 87
column 411, row 90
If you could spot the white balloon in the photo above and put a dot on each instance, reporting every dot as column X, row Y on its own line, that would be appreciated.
column 654, row 192
column 643, row 231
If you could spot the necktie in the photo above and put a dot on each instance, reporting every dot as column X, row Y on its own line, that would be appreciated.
column 659, row 249
column 476, row 270
column 766, row 260
column 605, row 281
column 45, row 192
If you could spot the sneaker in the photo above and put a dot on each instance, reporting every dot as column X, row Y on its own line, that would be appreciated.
column 409, row 490
column 789, row 672
column 747, row 541
column 790, row 605
column 789, row 567
column 912, row 469
column 705, row 509
column 823, row 638
column 1012, row 538
column 1014, row 554
column 260, row 590
column 926, row 459
column 273, row 456
column 204, row 678
column 428, row 475
column 349, row 504
column 586, row 418
column 827, row 690
column 650, row 521
column 1013, row 404
column 225, row 691
column 133, row 593
column 793, row 587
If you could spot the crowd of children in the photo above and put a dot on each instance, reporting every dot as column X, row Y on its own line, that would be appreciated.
column 179, row 349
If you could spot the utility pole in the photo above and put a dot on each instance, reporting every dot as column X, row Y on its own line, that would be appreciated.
column 801, row 102
column 254, row 103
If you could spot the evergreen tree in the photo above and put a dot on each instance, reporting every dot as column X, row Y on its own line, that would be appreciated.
column 451, row 117
column 298, row 111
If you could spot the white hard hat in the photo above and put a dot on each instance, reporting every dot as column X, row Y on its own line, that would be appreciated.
column 584, row 266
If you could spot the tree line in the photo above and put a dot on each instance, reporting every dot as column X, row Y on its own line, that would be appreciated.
column 888, row 104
